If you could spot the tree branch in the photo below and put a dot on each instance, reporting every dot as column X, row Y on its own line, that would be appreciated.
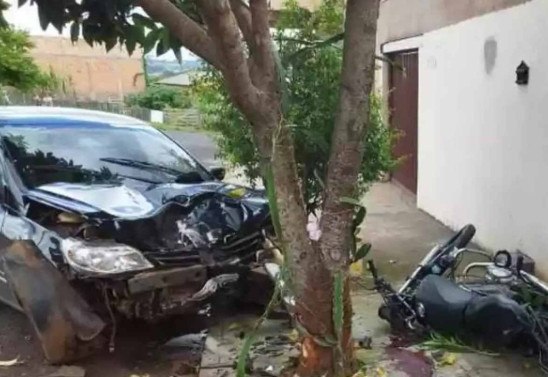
column 262, row 49
column 190, row 34
column 223, row 30
column 243, row 17
column 348, row 136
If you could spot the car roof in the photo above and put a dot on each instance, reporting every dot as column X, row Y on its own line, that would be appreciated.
column 46, row 115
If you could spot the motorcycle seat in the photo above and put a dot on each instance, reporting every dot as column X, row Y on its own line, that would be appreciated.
column 511, row 319
column 444, row 303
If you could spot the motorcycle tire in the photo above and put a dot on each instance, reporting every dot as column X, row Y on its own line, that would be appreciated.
column 461, row 238
column 393, row 317
column 384, row 312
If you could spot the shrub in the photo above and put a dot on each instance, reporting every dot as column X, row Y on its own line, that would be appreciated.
column 312, row 77
column 159, row 97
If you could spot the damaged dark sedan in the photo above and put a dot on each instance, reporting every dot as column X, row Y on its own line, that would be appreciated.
column 104, row 217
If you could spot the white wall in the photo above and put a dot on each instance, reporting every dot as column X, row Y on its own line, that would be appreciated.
column 483, row 139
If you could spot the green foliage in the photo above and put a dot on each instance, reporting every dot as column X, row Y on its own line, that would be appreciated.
column 312, row 78
column 439, row 342
column 4, row 5
column 17, row 67
column 160, row 97
column 109, row 23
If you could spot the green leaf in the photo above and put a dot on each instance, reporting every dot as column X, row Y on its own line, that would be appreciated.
column 359, row 217
column 362, row 252
column 139, row 19
column 160, row 49
column 164, row 43
column 243, row 355
column 110, row 42
column 131, row 43
column 74, row 31
column 43, row 17
column 150, row 41
column 177, row 53
column 352, row 201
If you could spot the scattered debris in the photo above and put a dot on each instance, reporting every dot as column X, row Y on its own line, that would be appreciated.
column 10, row 363
column 447, row 358
column 365, row 342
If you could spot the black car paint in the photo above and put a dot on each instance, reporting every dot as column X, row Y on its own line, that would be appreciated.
column 44, row 245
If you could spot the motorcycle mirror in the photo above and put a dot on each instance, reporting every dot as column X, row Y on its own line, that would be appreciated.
column 502, row 259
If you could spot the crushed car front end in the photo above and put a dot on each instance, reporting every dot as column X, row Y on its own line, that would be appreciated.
column 203, row 238
column 105, row 219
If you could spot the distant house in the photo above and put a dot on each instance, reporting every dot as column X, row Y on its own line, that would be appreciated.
column 475, row 135
column 181, row 79
column 184, row 79
column 91, row 72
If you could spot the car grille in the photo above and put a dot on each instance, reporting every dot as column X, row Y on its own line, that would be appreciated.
column 232, row 247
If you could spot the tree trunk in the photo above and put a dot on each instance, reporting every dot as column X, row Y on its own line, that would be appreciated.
column 311, row 281
column 347, row 141
column 253, row 82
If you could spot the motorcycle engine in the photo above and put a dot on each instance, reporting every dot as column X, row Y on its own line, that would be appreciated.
column 499, row 275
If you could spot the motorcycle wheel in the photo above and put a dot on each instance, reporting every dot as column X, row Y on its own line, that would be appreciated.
column 393, row 317
column 461, row 239
column 384, row 312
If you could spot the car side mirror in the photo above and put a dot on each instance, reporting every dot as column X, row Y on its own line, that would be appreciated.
column 218, row 172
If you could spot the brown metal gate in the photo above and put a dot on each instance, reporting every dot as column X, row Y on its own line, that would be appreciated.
column 403, row 100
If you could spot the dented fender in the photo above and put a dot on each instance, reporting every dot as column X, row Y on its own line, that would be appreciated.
column 65, row 324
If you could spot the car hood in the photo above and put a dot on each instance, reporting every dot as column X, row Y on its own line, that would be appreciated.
column 126, row 202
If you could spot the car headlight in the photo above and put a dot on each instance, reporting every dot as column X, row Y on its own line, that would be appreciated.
column 103, row 257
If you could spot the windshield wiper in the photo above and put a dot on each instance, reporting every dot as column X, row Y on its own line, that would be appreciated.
column 141, row 165
column 180, row 177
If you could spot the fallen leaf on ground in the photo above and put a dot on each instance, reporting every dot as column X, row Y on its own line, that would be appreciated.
column 448, row 359
column 381, row 372
column 293, row 335
column 10, row 363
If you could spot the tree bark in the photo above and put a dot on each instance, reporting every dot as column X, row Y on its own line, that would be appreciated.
column 252, row 79
column 189, row 33
column 347, row 141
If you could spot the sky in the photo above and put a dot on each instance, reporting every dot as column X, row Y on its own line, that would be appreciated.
column 26, row 18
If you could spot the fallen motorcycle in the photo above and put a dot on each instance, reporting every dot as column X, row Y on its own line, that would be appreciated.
column 504, row 306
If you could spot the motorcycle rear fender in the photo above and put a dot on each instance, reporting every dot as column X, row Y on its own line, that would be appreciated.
column 63, row 321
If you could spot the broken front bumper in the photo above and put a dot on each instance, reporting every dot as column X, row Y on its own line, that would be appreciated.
column 156, row 294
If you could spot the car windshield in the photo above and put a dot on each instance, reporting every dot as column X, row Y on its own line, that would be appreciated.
column 97, row 153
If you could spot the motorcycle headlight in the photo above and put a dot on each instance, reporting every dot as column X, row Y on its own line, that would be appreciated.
column 103, row 257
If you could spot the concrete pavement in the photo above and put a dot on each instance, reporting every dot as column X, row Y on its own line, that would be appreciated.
column 401, row 235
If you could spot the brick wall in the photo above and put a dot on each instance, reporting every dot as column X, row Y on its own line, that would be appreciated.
column 91, row 73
